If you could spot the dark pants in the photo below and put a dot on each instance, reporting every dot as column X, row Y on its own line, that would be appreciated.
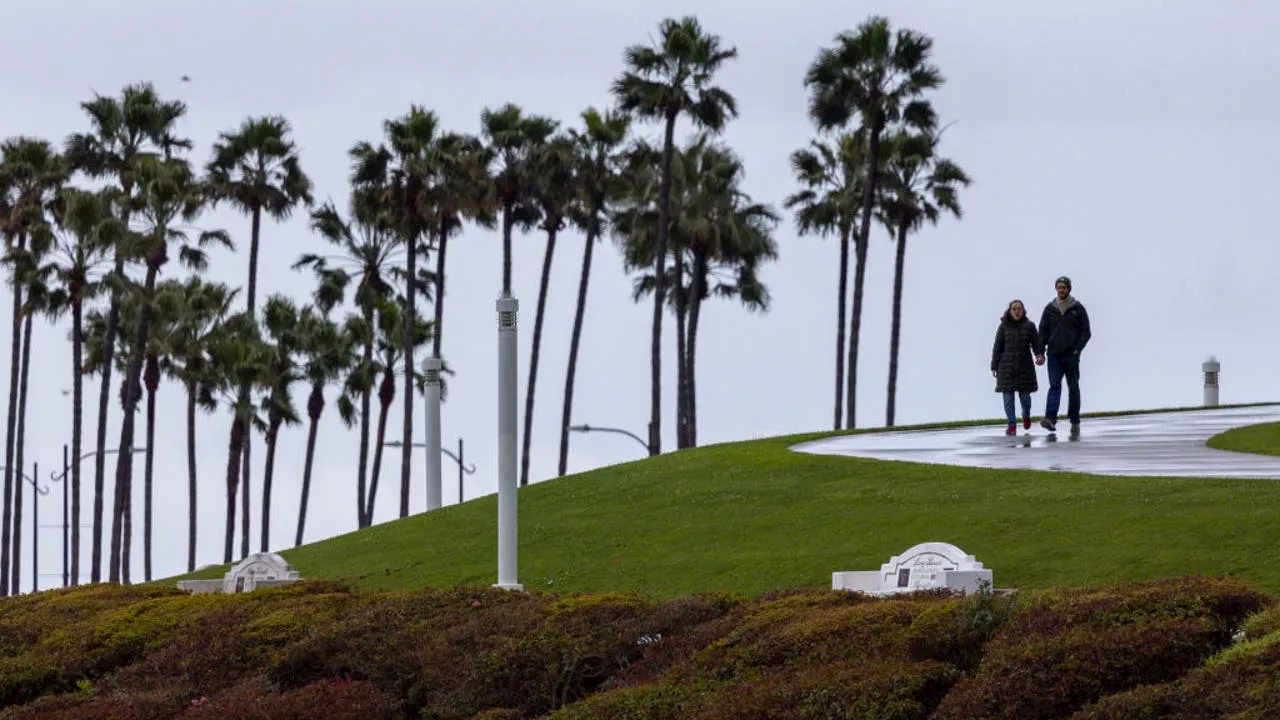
column 1025, row 397
column 1060, row 366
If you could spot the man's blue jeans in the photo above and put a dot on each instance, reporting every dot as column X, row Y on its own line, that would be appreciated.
column 1060, row 366
column 1025, row 397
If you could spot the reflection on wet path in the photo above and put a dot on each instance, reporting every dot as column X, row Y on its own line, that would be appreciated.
column 1160, row 444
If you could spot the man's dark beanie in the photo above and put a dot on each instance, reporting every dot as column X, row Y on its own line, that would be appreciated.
column 1065, row 281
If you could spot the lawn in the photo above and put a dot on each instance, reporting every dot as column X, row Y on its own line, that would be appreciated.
column 1262, row 439
column 755, row 516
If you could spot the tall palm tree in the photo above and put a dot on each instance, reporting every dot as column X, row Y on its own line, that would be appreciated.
column 555, row 194
column 368, row 253
column 205, row 309
column 830, row 198
column 256, row 169
column 662, row 82
column 918, row 187
column 88, row 231
column 34, row 278
column 122, row 131
column 169, row 195
column 329, row 352
column 599, row 171
column 281, row 331
column 512, row 136
column 31, row 173
column 237, row 357
column 409, row 159
column 880, row 75
column 389, row 354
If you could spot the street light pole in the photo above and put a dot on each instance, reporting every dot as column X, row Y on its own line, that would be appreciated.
column 591, row 428
column 38, row 490
column 462, row 467
column 72, row 548
column 508, row 308
column 433, row 367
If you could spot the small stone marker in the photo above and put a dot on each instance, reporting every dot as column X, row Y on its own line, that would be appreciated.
column 927, row 566
column 258, row 570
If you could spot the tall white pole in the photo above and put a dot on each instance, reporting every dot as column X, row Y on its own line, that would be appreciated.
column 507, row 307
column 1211, row 368
column 433, row 367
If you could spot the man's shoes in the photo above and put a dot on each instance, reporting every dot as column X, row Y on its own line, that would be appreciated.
column 1075, row 429
column 1026, row 423
column 1048, row 424
column 1011, row 430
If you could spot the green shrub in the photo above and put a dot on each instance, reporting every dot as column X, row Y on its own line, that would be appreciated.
column 326, row 700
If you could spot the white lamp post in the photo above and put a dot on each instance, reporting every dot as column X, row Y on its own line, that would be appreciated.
column 507, row 309
column 433, row 366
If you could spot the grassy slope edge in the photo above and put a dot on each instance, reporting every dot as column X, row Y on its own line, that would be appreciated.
column 1261, row 439
column 754, row 516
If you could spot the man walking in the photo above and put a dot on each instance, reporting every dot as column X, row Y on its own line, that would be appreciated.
column 1064, row 332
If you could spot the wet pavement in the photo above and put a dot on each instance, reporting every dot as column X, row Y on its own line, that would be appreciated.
column 1156, row 444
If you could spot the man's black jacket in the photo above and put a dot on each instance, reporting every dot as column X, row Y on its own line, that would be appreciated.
column 1064, row 333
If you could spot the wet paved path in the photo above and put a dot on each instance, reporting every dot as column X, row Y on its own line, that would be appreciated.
column 1158, row 444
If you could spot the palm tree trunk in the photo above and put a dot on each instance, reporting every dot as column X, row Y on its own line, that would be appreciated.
column 698, row 283
column 842, row 301
column 15, row 374
column 508, row 219
column 255, row 236
column 543, row 286
column 438, row 326
column 77, row 424
column 234, row 446
column 315, row 406
column 191, row 474
column 410, row 323
column 860, row 265
column 660, row 287
column 386, row 394
column 899, row 263
column 574, row 341
column 124, row 460
column 366, row 399
column 104, row 407
column 273, row 433
column 682, row 315
column 21, row 446
column 152, row 381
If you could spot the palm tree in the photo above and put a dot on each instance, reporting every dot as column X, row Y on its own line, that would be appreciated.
column 169, row 194
column 368, row 251
column 237, row 357
column 829, row 202
column 389, row 354
column 330, row 352
column 599, row 182
column 256, row 169
column 30, row 174
column 512, row 136
column 33, row 277
column 122, row 131
column 661, row 83
column 554, row 193
column 87, row 233
column 280, row 325
column 918, row 187
column 409, row 159
column 205, row 308
column 880, row 75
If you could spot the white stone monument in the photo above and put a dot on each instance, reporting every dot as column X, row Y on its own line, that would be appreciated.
column 927, row 566
column 259, row 570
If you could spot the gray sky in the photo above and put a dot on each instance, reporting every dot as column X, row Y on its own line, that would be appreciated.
column 1125, row 146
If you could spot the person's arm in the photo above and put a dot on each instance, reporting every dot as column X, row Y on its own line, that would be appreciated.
column 997, row 349
column 1042, row 334
column 1035, row 344
column 1082, row 338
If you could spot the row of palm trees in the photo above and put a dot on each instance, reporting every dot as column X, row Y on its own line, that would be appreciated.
column 688, row 232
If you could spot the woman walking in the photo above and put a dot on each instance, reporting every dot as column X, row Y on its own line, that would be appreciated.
column 1013, row 363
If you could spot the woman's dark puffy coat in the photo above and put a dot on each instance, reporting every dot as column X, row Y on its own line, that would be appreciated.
column 1012, row 357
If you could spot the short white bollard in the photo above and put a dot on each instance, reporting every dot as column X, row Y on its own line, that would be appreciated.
column 1210, row 368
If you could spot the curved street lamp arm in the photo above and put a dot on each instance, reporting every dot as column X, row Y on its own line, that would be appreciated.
column 468, row 469
column 591, row 428
column 56, row 476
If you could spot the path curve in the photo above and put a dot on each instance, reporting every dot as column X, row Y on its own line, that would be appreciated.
column 1167, row 444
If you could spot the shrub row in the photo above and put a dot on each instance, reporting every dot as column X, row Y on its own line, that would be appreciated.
column 321, row 650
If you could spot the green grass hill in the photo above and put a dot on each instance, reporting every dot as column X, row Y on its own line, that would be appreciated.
column 754, row 516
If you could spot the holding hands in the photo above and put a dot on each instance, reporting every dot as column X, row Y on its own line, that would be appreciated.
column 1039, row 359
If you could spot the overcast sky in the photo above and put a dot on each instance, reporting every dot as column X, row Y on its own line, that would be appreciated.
column 1128, row 144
